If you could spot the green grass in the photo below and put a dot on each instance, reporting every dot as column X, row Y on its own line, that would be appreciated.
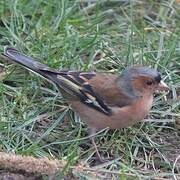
column 104, row 36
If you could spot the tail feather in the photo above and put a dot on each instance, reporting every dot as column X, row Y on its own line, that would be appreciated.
column 57, row 77
column 26, row 61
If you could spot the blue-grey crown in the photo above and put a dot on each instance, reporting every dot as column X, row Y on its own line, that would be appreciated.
column 134, row 71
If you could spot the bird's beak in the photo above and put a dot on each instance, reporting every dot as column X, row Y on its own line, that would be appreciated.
column 162, row 86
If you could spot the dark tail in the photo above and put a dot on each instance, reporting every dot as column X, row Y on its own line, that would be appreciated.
column 60, row 78
column 29, row 63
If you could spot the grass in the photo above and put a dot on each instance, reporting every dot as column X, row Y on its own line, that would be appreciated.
column 91, row 35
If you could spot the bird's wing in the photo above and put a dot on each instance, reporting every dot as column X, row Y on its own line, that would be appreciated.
column 106, row 85
column 74, row 83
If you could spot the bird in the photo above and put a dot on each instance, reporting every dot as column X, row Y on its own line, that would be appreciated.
column 102, row 100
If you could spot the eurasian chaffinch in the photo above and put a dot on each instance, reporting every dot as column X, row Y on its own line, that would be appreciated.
column 101, row 100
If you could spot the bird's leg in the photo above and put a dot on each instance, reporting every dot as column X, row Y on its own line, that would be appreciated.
column 92, row 131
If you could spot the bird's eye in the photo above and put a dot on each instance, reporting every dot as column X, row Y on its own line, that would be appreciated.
column 149, row 83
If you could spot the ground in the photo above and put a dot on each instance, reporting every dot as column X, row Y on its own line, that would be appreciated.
column 104, row 36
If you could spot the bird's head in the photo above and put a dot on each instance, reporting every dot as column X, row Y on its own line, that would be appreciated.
column 139, row 80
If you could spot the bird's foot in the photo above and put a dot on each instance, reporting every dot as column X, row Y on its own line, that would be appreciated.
column 100, row 159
